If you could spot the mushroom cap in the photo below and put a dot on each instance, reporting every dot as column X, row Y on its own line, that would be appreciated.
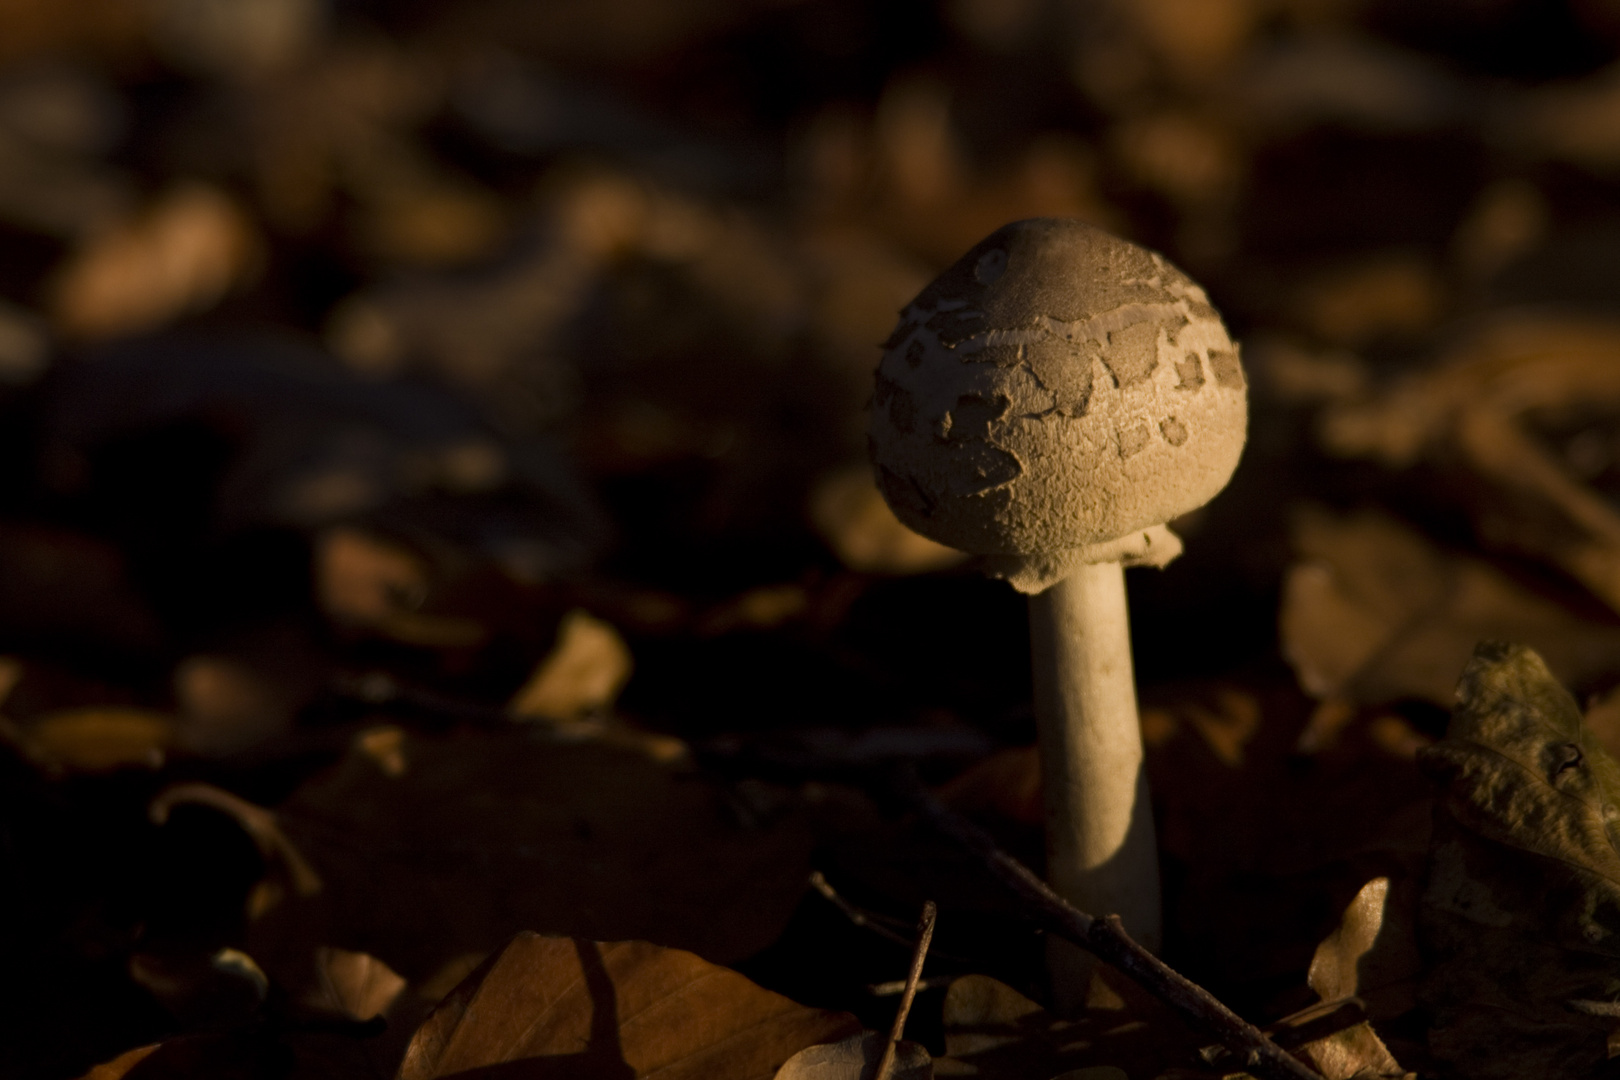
column 1056, row 389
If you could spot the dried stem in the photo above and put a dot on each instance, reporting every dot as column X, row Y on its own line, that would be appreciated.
column 1105, row 938
column 925, row 935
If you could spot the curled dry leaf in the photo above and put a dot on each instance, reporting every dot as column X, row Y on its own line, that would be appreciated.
column 856, row 1058
column 619, row 1009
column 1373, row 612
column 1521, row 914
column 583, row 673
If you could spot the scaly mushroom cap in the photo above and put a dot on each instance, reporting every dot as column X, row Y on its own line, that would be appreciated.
column 1057, row 389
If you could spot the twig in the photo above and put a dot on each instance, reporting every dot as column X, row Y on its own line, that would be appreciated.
column 865, row 921
column 898, row 986
column 925, row 935
column 1105, row 938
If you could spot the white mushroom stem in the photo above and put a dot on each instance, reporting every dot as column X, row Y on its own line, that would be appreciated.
column 1101, row 853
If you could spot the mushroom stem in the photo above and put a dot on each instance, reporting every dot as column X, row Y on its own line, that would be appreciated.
column 1100, row 849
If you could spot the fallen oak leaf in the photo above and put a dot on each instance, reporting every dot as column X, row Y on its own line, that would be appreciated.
column 1522, row 909
column 618, row 1009
column 489, row 832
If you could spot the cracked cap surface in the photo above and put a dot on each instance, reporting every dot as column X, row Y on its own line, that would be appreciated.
column 1055, row 389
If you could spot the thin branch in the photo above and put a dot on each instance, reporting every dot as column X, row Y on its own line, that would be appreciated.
column 925, row 935
column 1105, row 937
column 865, row 920
column 898, row 986
column 882, row 925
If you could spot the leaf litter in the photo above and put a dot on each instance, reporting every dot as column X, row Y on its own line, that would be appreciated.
column 436, row 510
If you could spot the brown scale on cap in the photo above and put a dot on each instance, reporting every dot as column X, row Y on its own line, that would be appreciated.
column 1054, row 398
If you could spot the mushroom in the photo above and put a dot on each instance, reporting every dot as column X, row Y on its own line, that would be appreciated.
column 1049, row 403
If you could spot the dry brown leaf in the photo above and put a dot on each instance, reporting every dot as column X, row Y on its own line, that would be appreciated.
column 851, row 515
column 856, row 1058
column 119, row 1067
column 1373, row 613
column 355, row 984
column 624, row 1009
column 1474, row 411
column 99, row 739
column 583, row 674
column 1371, row 955
column 191, row 248
column 490, row 831
column 1519, row 909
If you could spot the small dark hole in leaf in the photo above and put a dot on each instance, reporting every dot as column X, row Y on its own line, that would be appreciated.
column 1572, row 760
